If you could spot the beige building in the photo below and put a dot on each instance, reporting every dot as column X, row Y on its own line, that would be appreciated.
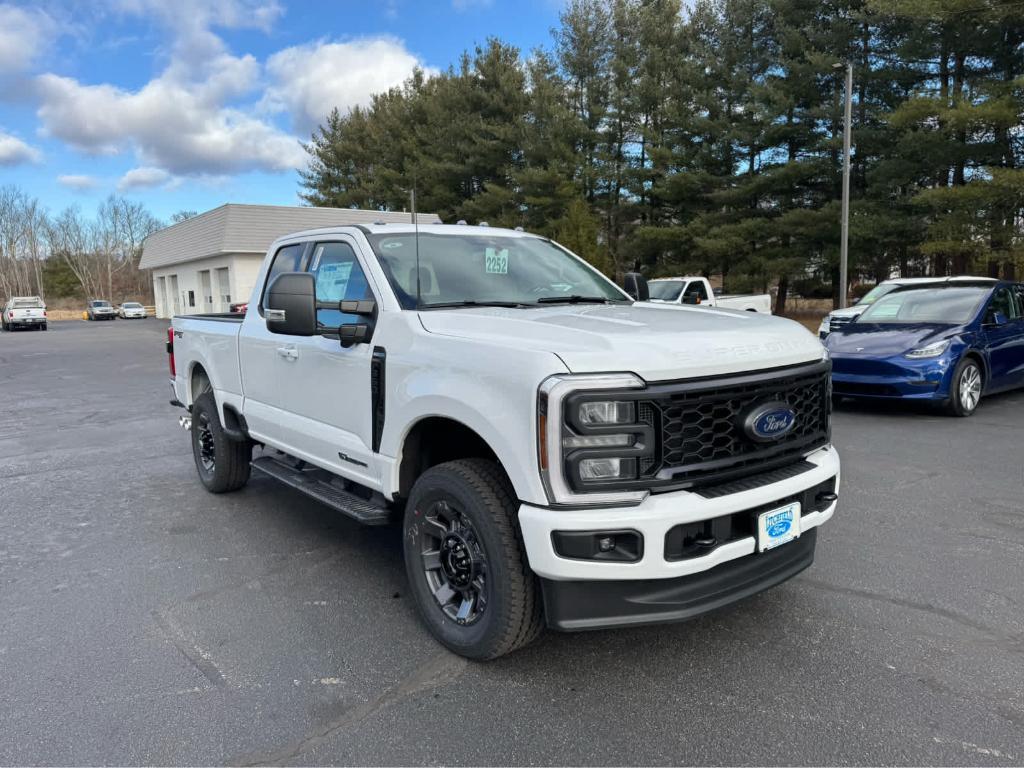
column 208, row 262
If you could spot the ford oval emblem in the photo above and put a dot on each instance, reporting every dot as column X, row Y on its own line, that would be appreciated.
column 779, row 528
column 769, row 421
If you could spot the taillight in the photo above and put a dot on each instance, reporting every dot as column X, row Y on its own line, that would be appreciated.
column 170, row 351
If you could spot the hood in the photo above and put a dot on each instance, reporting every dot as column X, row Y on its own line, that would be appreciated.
column 853, row 311
column 885, row 340
column 655, row 342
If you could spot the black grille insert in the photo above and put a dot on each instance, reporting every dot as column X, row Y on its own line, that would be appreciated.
column 699, row 431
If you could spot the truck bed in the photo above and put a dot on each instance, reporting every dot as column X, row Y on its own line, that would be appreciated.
column 222, row 317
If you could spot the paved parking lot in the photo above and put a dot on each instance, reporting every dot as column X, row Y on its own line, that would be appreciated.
column 147, row 621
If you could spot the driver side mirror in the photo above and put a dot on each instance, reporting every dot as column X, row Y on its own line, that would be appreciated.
column 691, row 298
column 291, row 304
column 636, row 286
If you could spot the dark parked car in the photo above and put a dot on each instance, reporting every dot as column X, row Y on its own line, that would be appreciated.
column 950, row 344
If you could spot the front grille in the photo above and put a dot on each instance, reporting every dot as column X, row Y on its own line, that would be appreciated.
column 699, row 430
column 835, row 323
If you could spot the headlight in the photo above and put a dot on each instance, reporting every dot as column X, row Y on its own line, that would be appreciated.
column 590, row 444
column 932, row 350
column 826, row 324
column 607, row 412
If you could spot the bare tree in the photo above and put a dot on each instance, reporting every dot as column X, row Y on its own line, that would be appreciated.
column 21, row 243
column 72, row 239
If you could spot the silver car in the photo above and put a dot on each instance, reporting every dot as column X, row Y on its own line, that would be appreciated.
column 98, row 309
column 131, row 310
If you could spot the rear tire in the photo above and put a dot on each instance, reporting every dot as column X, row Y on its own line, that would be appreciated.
column 222, row 463
column 465, row 562
column 966, row 388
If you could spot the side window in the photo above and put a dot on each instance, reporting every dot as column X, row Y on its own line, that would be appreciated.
column 1004, row 302
column 287, row 259
column 338, row 278
column 696, row 293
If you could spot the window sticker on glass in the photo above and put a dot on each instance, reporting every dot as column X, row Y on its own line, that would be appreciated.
column 496, row 261
column 332, row 281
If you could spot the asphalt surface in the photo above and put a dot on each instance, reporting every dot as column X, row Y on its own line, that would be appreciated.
column 147, row 621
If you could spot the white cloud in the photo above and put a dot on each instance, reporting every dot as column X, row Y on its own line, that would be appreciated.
column 310, row 80
column 77, row 182
column 180, row 126
column 186, row 120
column 14, row 151
column 24, row 32
column 143, row 178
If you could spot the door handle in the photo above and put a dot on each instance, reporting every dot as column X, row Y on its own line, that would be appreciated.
column 288, row 353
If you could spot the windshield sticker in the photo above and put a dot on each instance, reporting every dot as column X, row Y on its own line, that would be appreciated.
column 496, row 261
column 332, row 281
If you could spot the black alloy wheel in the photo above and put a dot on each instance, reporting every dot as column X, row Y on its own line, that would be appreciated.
column 207, row 445
column 454, row 563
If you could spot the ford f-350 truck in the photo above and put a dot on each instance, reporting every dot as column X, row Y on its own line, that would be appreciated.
column 556, row 452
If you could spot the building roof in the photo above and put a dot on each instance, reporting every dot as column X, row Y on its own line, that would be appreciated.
column 235, row 228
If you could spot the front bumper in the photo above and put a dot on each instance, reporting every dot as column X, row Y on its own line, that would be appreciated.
column 894, row 377
column 655, row 517
column 577, row 605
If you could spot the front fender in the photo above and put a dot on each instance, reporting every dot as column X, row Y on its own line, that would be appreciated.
column 491, row 391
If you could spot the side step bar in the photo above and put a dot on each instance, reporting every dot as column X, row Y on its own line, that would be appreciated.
column 310, row 483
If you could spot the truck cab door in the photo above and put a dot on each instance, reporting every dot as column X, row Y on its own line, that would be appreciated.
column 326, row 387
column 261, row 354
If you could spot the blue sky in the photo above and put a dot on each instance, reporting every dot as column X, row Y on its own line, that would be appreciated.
column 187, row 104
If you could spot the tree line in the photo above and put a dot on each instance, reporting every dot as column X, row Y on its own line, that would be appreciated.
column 709, row 139
column 71, row 255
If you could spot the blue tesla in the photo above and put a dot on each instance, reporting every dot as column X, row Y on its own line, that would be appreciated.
column 950, row 343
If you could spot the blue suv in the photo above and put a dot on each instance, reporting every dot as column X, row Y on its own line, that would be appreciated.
column 950, row 343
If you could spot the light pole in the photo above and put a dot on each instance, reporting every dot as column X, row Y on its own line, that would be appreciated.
column 844, row 243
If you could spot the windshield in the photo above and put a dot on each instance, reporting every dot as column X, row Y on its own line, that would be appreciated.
column 666, row 290
column 484, row 269
column 131, row 305
column 101, row 303
column 950, row 306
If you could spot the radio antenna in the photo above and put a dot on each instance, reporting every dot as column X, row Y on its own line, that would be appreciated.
column 416, row 236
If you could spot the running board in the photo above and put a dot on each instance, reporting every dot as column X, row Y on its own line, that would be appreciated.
column 308, row 482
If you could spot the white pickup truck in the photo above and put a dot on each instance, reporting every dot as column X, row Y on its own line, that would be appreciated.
column 23, row 312
column 697, row 291
column 554, row 451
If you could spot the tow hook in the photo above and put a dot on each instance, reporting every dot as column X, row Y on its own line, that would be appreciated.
column 185, row 422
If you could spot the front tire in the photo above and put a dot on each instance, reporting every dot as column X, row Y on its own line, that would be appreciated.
column 222, row 463
column 966, row 388
column 465, row 563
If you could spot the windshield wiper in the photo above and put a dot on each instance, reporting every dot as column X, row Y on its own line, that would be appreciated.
column 574, row 299
column 472, row 303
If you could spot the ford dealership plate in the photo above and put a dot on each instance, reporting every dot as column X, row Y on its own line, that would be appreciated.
column 778, row 526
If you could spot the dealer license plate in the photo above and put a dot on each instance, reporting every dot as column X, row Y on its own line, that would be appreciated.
column 778, row 526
